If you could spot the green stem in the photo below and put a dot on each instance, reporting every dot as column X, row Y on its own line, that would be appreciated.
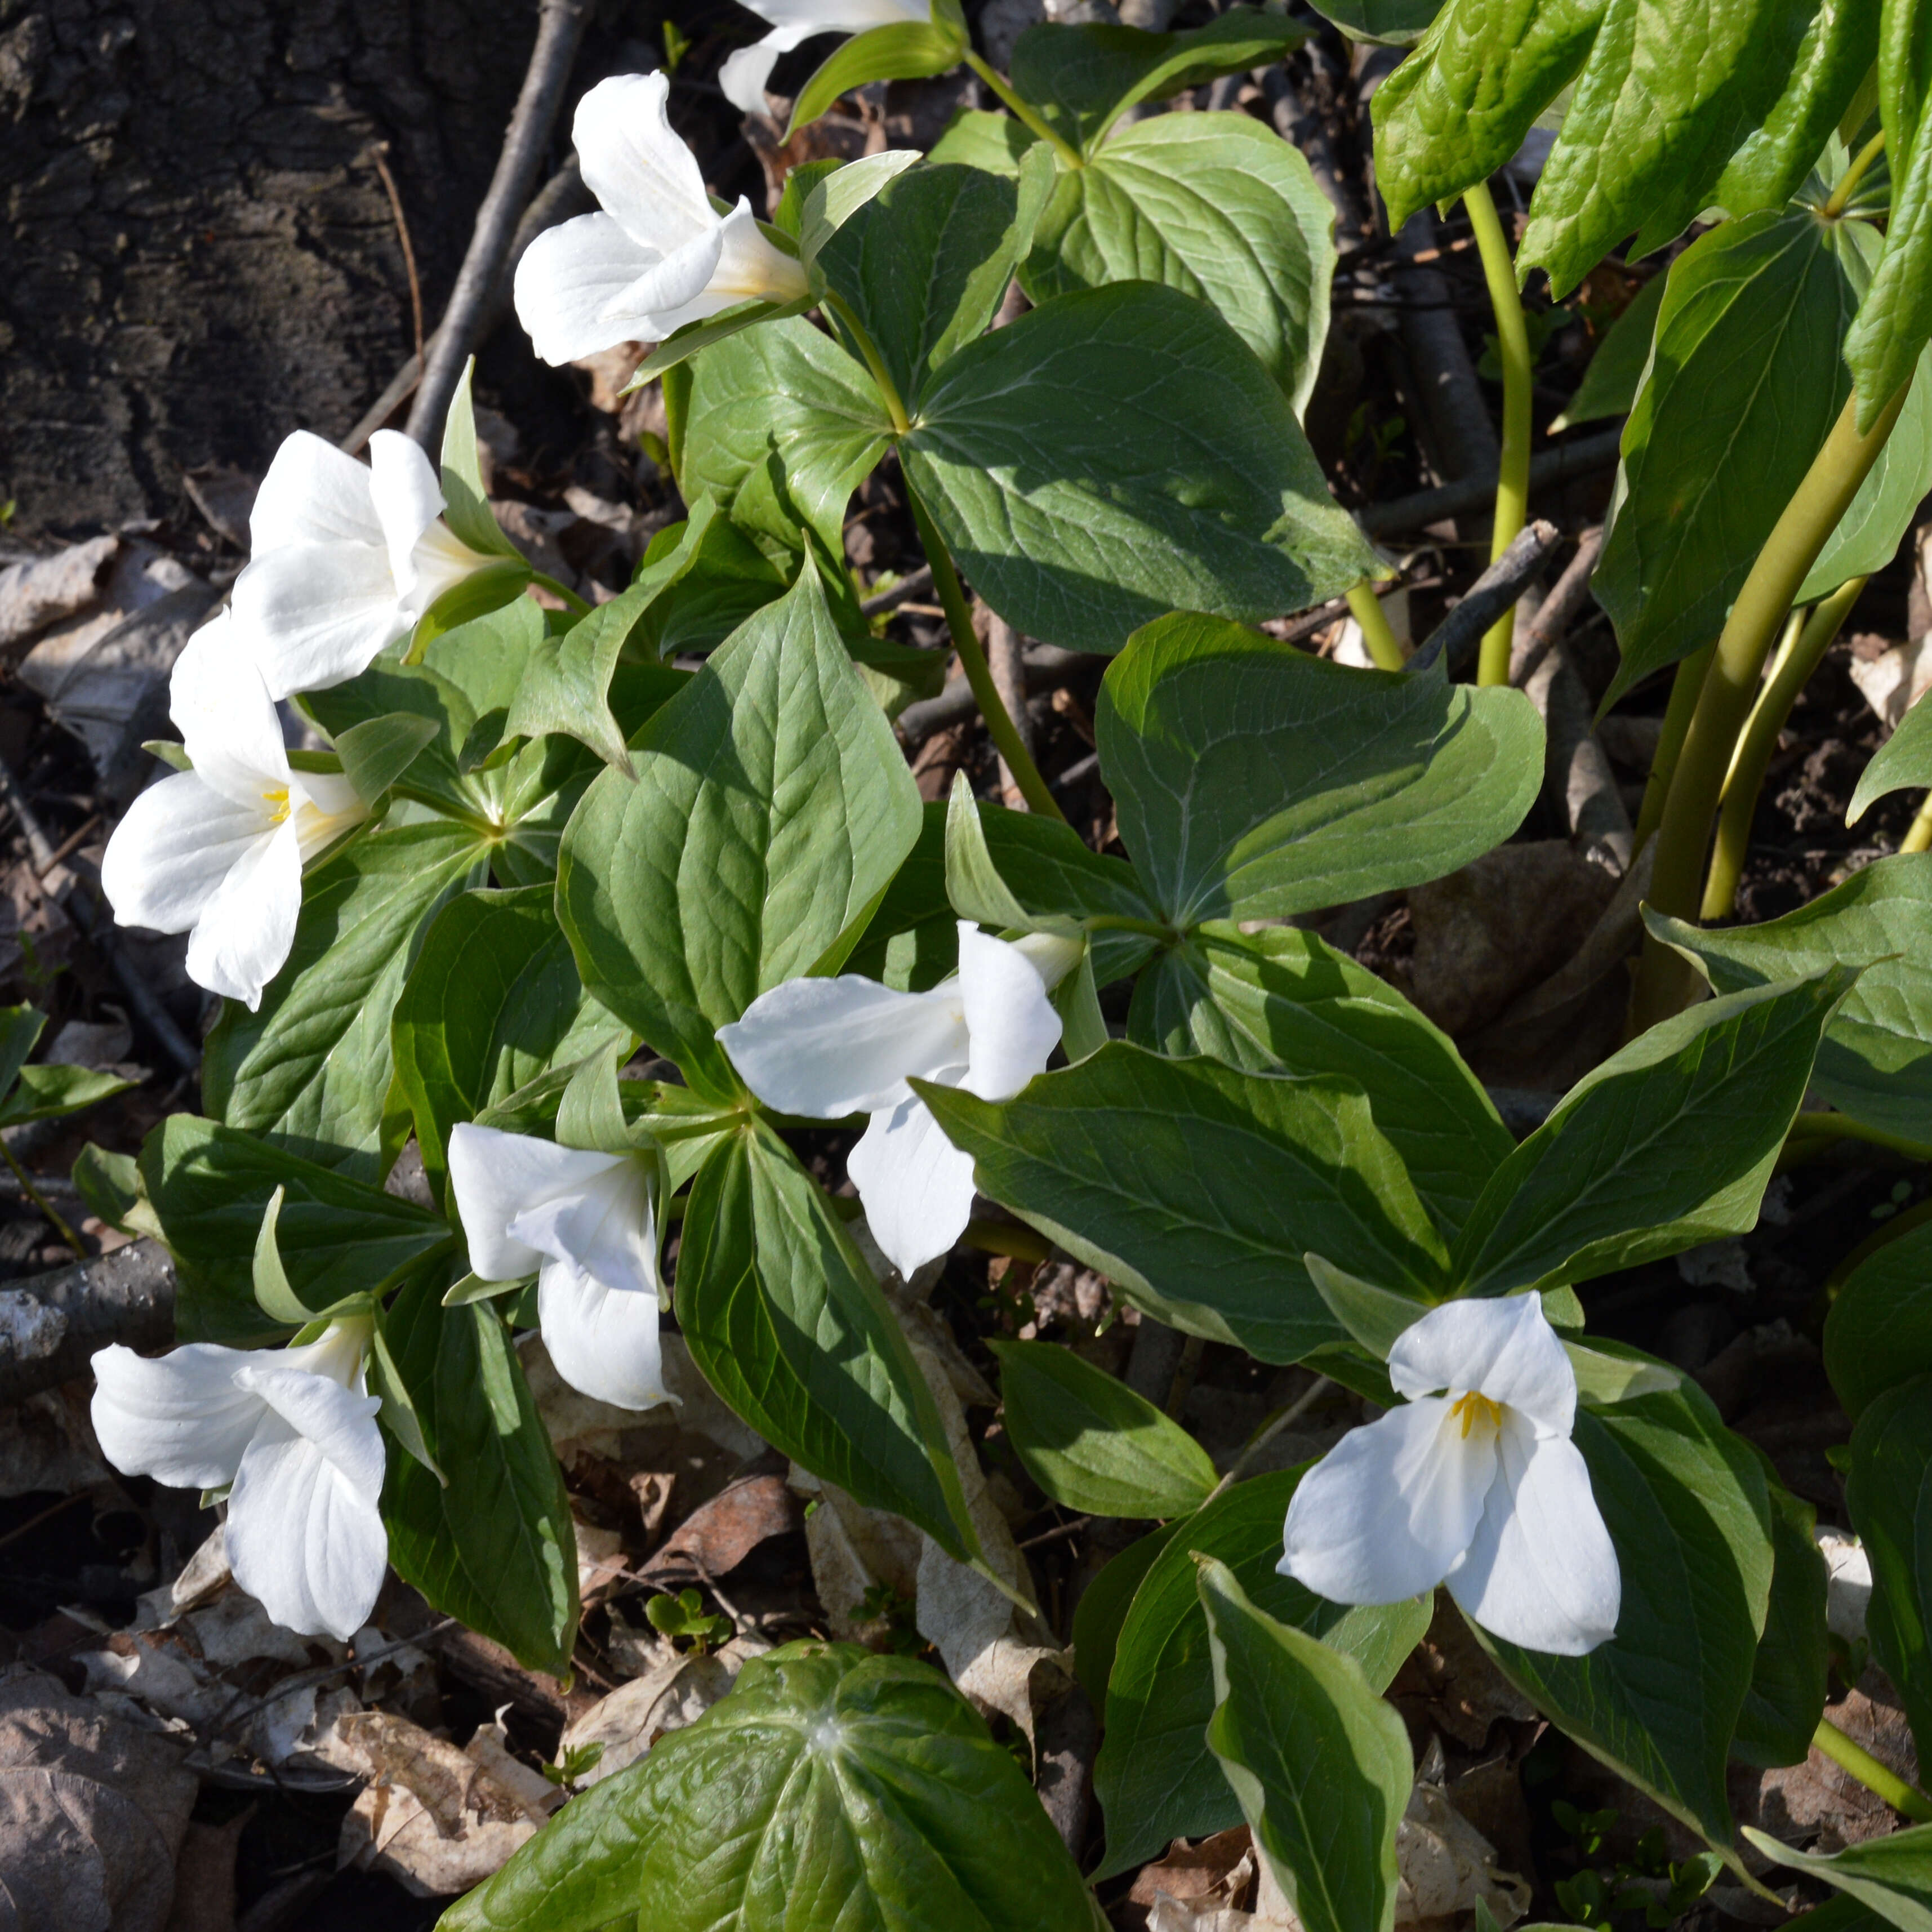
column 1855, row 173
column 1008, row 1238
column 1366, row 609
column 1027, row 116
column 1859, row 1763
column 1919, row 839
column 1119, row 922
column 40, row 1201
column 896, row 408
column 979, row 674
column 1512, row 477
column 1789, row 676
column 572, row 601
column 1666, row 982
column 1685, row 688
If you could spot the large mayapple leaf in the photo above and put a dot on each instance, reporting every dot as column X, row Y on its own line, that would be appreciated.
column 1197, row 1189
column 1879, row 1332
column 1670, row 1142
column 1320, row 1765
column 1687, row 1506
column 924, row 263
column 1889, row 1492
column 771, row 808
column 1611, row 382
column 486, row 1535
column 1254, row 782
column 1875, row 1062
column 1904, row 761
column 1886, row 1881
column 1118, row 453
column 1386, row 23
column 1282, row 1000
column 1745, row 381
column 867, row 1783
column 1156, row 1776
column 788, row 1325
column 1788, row 1685
column 1216, row 205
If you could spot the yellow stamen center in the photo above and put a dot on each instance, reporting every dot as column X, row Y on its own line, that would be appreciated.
column 278, row 803
column 1474, row 1408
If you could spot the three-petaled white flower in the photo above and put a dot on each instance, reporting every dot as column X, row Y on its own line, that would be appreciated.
column 585, row 1225
column 825, row 1049
column 659, row 255
column 295, row 1434
column 1479, row 1487
column 744, row 74
column 345, row 557
column 217, row 852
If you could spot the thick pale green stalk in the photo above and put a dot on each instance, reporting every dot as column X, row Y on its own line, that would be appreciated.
column 1854, row 1759
column 1666, row 982
column 1860, row 167
column 1383, row 646
column 979, row 674
column 1685, row 688
column 1789, row 676
column 1021, row 112
column 1512, row 477
column 889, row 394
column 1919, row 839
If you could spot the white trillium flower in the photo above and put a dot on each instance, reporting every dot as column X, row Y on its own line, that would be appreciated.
column 346, row 557
column 1479, row 1487
column 659, row 255
column 585, row 1225
column 294, row 1432
column 744, row 74
column 217, row 852
column 825, row 1049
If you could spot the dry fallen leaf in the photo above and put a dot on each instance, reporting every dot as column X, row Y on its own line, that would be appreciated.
column 676, row 1690
column 717, row 1537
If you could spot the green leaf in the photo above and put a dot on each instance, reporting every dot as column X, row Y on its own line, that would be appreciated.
column 494, row 1544
column 1196, row 1189
column 1685, row 1504
column 1216, row 205
column 19, row 1027
column 1155, row 1776
column 771, row 808
column 1373, row 1315
column 912, row 941
column 682, row 344
column 43, row 1092
column 1894, row 320
column 1745, row 381
column 924, row 263
column 209, row 1188
column 727, row 578
column 1839, row 47
column 1876, row 1060
column 903, row 50
column 1320, row 1765
column 1870, row 531
column 1664, row 100
column 840, row 192
column 780, row 426
column 1387, row 23
column 1904, row 761
column 976, row 139
column 1119, row 453
column 311, row 1070
column 492, row 1001
column 1103, row 1607
column 1281, row 1000
column 1669, row 1143
column 1610, row 383
column 377, row 752
column 788, row 1324
column 1879, row 1332
column 1889, row 1492
column 1254, row 781
column 1891, row 1876
column 1084, row 78
column 1787, row 1692
column 1090, row 1442
column 465, row 504
column 867, row 1782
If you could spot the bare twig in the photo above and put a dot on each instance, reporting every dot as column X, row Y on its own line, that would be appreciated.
column 917, row 583
column 376, row 154
column 1553, row 467
column 1551, row 624
column 1048, row 667
column 560, row 25
column 1006, row 662
column 1491, row 594
column 58, row 1320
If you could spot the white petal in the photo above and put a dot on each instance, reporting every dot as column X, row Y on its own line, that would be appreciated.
column 243, row 936
column 226, row 719
column 749, row 268
column 602, row 1337
column 601, row 1231
column 181, row 1419
column 440, row 561
column 667, row 295
column 823, row 1048
column 1542, row 1571
column 917, row 1187
column 312, row 493
column 742, row 78
column 304, row 1535
column 641, row 171
column 1503, row 1347
column 326, row 805
column 408, row 499
column 169, row 856
column 568, row 281
column 318, row 614
column 1009, row 1020
column 799, row 19
column 1387, row 1511
column 498, row 1176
